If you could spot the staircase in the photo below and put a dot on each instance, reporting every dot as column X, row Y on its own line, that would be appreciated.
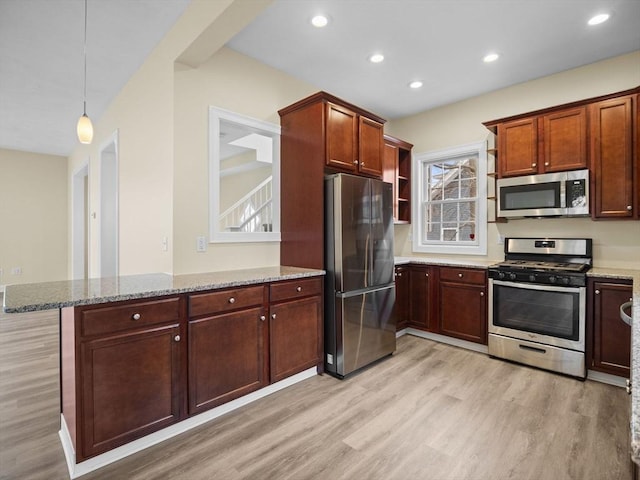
column 252, row 213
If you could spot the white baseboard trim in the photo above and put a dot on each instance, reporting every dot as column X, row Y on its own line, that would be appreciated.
column 78, row 469
column 607, row 378
column 456, row 342
column 400, row 333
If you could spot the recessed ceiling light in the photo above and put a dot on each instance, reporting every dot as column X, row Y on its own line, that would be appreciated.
column 598, row 19
column 376, row 58
column 319, row 21
column 491, row 57
column 415, row 84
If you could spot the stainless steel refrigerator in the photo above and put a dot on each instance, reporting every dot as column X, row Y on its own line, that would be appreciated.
column 360, row 292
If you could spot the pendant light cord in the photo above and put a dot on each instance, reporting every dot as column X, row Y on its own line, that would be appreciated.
column 85, row 58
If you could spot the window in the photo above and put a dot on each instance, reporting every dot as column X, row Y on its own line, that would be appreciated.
column 244, row 192
column 450, row 193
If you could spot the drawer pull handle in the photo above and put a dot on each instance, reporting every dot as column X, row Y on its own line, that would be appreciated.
column 299, row 289
column 232, row 300
column 263, row 318
column 177, row 338
column 532, row 349
column 136, row 316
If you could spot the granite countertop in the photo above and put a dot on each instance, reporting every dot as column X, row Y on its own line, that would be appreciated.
column 52, row 295
column 446, row 262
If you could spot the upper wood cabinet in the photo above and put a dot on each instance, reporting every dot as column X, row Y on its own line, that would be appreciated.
column 353, row 141
column 397, row 171
column 320, row 134
column 518, row 147
column 553, row 142
column 612, row 158
column 601, row 134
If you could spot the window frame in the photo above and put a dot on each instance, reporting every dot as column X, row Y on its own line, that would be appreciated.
column 478, row 246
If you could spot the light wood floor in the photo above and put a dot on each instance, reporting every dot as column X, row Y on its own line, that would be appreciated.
column 429, row 412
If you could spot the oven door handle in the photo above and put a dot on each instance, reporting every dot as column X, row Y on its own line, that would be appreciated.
column 536, row 286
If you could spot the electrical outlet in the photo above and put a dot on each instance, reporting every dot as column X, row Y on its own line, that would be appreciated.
column 201, row 244
column 16, row 271
column 165, row 244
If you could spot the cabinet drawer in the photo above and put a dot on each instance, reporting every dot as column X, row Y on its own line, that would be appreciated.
column 225, row 300
column 463, row 275
column 101, row 320
column 295, row 289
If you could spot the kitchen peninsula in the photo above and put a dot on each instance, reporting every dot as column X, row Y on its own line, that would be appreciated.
column 145, row 357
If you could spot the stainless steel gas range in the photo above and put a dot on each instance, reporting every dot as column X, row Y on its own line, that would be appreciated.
column 537, row 303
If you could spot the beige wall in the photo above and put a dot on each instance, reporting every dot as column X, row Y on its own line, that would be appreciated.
column 143, row 117
column 238, row 83
column 33, row 209
column 616, row 243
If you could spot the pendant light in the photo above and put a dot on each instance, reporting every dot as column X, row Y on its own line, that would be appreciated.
column 85, row 128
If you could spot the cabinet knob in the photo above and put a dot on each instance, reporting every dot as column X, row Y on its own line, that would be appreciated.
column 459, row 275
column 629, row 207
column 232, row 300
column 398, row 274
column 534, row 165
column 177, row 338
column 482, row 294
column 355, row 162
column 298, row 289
column 597, row 292
column 136, row 316
column 263, row 318
column 546, row 164
column 273, row 315
column 362, row 164
column 426, row 274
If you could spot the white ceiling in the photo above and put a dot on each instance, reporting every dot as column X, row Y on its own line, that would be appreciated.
column 440, row 42
column 41, row 63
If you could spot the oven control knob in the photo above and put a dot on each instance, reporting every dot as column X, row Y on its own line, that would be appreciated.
column 552, row 279
column 565, row 280
column 500, row 275
column 512, row 276
column 532, row 278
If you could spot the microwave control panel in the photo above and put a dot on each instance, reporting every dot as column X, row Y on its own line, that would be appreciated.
column 576, row 192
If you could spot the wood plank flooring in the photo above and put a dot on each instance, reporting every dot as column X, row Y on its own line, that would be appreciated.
column 430, row 412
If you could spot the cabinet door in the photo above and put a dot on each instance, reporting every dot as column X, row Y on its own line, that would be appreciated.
column 390, row 173
column 612, row 158
column 341, row 138
column 402, row 297
column 295, row 336
column 463, row 312
column 611, row 336
column 564, row 136
column 518, row 147
column 226, row 357
column 421, row 299
column 130, row 387
column 371, row 147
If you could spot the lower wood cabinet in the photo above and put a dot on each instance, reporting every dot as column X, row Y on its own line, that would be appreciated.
column 128, row 371
column 449, row 301
column 463, row 304
column 226, row 357
column 609, row 348
column 134, row 367
column 401, row 307
column 422, row 297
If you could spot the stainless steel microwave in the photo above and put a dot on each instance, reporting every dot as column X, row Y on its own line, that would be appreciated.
column 546, row 195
